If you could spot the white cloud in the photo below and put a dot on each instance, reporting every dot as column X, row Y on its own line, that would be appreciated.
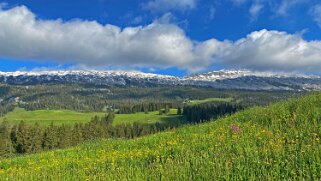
column 255, row 10
column 166, row 18
column 315, row 11
column 160, row 6
column 23, row 36
column 273, row 50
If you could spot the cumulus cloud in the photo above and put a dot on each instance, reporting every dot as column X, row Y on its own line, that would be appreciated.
column 24, row 36
column 160, row 6
column 273, row 50
column 159, row 44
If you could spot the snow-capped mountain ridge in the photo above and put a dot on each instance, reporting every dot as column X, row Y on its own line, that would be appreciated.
column 219, row 75
column 81, row 72
column 222, row 79
column 234, row 73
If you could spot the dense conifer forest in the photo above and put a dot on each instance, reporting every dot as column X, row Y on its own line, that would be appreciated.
column 93, row 98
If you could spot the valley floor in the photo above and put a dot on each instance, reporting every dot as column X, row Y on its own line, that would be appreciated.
column 67, row 117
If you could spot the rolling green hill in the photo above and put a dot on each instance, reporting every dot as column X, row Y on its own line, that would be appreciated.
column 46, row 117
column 67, row 117
column 278, row 142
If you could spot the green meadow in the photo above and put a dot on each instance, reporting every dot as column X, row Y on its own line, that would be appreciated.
column 277, row 142
column 67, row 117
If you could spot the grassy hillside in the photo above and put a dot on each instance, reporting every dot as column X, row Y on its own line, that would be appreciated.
column 67, row 117
column 278, row 142
column 46, row 117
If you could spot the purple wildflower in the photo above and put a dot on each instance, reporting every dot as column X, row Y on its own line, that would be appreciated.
column 235, row 128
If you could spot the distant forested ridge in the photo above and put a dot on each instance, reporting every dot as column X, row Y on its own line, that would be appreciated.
column 96, row 98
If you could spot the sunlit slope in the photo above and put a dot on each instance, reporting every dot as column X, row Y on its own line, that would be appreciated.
column 281, row 141
column 67, row 117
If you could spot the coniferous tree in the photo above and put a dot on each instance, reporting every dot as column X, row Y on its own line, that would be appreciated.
column 36, row 137
column 50, row 139
column 64, row 136
column 110, row 118
column 179, row 111
column 13, row 137
column 6, row 146
column 76, row 135
column 167, row 109
column 22, row 138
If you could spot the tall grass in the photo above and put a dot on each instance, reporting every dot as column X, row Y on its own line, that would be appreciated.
column 278, row 142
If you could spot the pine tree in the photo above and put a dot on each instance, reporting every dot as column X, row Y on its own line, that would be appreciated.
column 179, row 111
column 6, row 146
column 167, row 109
column 36, row 136
column 50, row 139
column 22, row 135
column 76, row 135
column 110, row 118
column 64, row 136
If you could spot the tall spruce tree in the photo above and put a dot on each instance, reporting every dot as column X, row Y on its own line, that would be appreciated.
column 22, row 137
column 110, row 118
column 36, row 136
column 6, row 146
column 50, row 139
column 179, row 111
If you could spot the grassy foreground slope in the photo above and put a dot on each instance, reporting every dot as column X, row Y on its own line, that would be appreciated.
column 67, row 117
column 281, row 141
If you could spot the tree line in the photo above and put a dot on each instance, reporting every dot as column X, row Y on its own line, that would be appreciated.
column 146, row 107
column 94, row 98
column 208, row 111
column 5, row 108
column 24, row 138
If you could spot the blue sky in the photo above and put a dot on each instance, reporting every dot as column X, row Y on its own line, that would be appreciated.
column 174, row 37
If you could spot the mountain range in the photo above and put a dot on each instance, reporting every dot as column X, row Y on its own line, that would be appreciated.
column 222, row 79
